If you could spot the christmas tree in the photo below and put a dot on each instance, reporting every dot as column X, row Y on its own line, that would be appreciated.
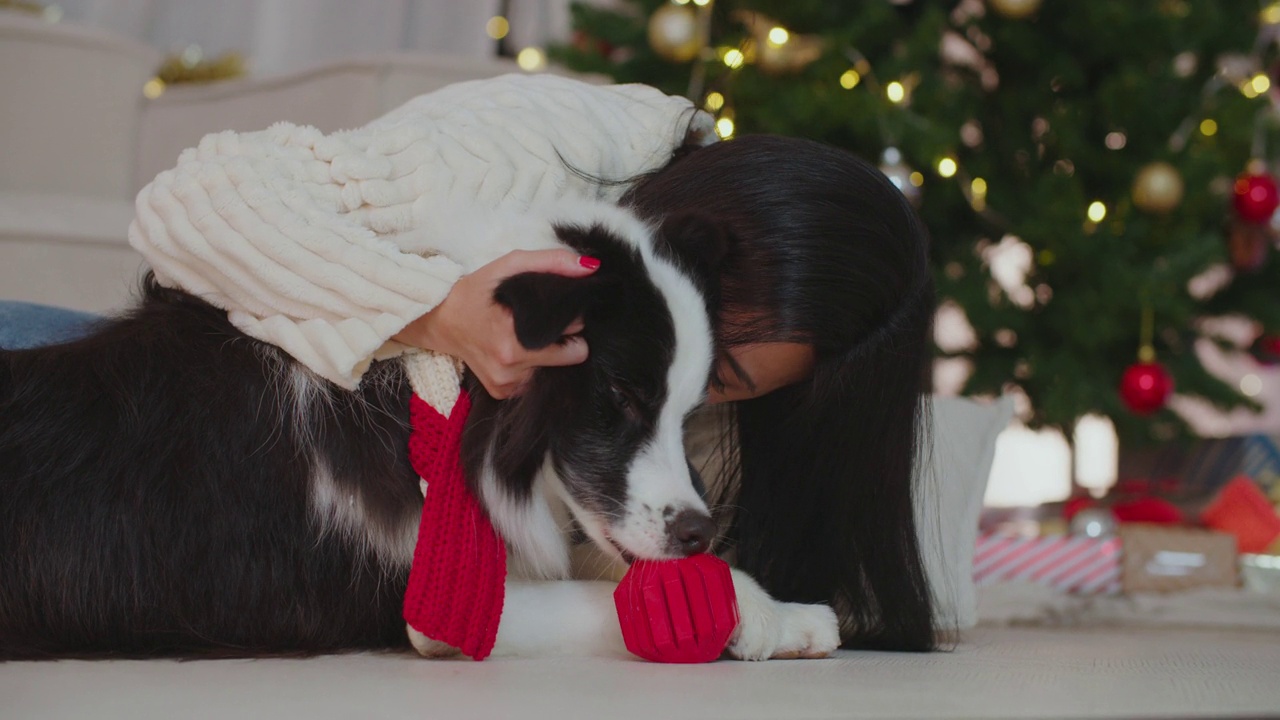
column 1101, row 151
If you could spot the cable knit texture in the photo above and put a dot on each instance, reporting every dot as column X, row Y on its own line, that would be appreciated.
column 292, row 230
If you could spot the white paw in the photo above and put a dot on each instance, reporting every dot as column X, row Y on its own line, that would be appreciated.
column 427, row 647
column 771, row 629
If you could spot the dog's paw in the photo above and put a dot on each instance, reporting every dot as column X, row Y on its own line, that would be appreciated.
column 429, row 648
column 771, row 629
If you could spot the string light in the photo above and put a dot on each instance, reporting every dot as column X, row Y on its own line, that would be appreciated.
column 1208, row 127
column 850, row 79
column 153, row 88
column 895, row 92
column 1097, row 211
column 779, row 36
column 1270, row 14
column 680, row 2
column 1255, row 86
column 701, row 3
column 724, row 128
column 1251, row 385
column 531, row 59
column 497, row 27
column 947, row 167
column 714, row 101
column 733, row 58
column 916, row 178
column 978, row 194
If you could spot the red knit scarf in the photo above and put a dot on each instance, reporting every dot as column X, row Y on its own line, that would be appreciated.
column 460, row 562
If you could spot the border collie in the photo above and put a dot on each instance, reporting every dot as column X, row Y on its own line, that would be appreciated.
column 170, row 486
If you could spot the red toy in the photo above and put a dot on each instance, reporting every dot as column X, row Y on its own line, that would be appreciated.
column 677, row 611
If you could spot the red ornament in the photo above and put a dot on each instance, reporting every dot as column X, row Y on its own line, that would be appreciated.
column 1145, row 387
column 1266, row 350
column 1256, row 197
column 677, row 611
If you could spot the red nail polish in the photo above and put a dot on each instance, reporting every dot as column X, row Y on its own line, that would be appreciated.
column 588, row 262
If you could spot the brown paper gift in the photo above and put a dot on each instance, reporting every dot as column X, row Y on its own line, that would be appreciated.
column 1157, row 558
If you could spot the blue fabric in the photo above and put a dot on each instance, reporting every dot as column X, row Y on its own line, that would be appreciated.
column 25, row 325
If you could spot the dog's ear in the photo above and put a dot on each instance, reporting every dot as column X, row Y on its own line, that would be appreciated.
column 695, row 242
column 543, row 305
column 698, row 244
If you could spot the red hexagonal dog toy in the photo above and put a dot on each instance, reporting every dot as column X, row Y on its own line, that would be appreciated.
column 677, row 611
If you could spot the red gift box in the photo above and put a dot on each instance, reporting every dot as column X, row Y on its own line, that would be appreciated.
column 1241, row 509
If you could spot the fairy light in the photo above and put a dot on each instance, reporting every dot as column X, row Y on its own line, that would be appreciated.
column 895, row 92
column 531, row 59
column 680, row 2
column 733, row 58
column 724, row 128
column 701, row 3
column 497, row 27
column 1270, row 14
column 1097, row 211
column 779, row 36
column 1255, row 86
column 916, row 178
column 850, row 79
column 1208, row 127
column 947, row 167
column 1251, row 385
column 714, row 101
column 153, row 88
column 978, row 194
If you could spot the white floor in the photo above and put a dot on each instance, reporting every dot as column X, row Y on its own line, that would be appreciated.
column 995, row 673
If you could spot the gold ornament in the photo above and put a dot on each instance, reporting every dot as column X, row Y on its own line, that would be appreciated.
column 1015, row 9
column 1157, row 188
column 190, row 67
column 673, row 33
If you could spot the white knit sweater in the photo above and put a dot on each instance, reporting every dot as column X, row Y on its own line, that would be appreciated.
column 290, row 230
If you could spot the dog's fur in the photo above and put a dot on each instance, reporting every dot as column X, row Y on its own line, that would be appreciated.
column 169, row 486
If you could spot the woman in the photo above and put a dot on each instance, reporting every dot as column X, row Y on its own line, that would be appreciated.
column 826, row 301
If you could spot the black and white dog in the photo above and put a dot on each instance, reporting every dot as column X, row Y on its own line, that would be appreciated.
column 170, row 486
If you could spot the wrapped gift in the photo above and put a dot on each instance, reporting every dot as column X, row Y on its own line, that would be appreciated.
column 1195, row 471
column 1158, row 558
column 1071, row 563
column 1241, row 509
column 1260, row 573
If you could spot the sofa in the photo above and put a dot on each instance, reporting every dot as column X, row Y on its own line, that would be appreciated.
column 79, row 139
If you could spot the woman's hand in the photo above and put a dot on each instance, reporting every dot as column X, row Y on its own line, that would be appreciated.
column 469, row 325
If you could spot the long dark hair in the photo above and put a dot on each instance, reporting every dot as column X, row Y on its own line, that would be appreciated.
column 820, row 485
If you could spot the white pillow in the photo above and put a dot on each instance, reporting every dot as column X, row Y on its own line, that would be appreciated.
column 949, row 499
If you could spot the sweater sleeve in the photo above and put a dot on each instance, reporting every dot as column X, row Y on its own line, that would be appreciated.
column 289, row 229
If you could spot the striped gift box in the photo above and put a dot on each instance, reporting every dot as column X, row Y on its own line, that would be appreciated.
column 1070, row 563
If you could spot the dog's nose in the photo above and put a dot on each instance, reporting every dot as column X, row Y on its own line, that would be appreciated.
column 692, row 532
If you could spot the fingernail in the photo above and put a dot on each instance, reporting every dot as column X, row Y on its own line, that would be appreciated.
column 588, row 262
